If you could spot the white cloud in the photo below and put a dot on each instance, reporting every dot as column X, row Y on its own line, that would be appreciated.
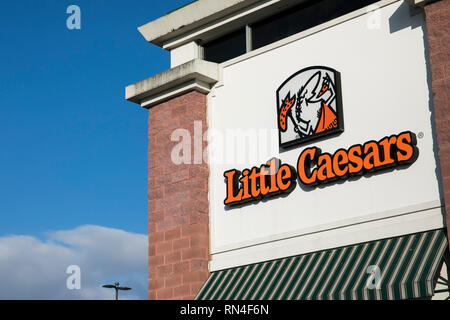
column 31, row 268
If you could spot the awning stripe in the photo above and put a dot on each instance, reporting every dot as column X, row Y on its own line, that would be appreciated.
column 266, row 280
column 288, row 274
column 343, row 273
column 431, row 241
column 324, row 274
column 403, row 267
column 382, row 255
column 276, row 278
column 254, row 273
column 407, row 265
column 255, row 284
column 338, row 254
column 231, row 282
column 357, row 290
column 346, row 293
column 220, row 283
column 304, row 276
column 328, row 287
column 390, row 265
column 312, row 274
column 433, row 266
column 304, row 260
column 204, row 291
column 415, row 272
column 412, row 266
column 242, row 276
column 397, row 263
column 245, row 279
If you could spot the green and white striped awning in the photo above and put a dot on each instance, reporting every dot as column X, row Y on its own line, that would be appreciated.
column 396, row 268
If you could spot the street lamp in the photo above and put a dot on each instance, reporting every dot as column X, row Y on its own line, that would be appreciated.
column 116, row 287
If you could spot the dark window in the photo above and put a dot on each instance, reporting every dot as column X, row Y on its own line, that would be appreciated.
column 302, row 17
column 226, row 47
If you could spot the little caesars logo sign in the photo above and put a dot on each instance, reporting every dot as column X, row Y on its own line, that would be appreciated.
column 309, row 107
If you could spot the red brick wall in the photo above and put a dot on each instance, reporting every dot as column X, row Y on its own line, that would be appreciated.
column 178, row 203
column 438, row 30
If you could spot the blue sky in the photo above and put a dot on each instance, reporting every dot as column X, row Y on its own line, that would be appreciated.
column 73, row 150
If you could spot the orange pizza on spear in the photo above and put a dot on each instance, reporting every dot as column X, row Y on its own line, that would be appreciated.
column 288, row 103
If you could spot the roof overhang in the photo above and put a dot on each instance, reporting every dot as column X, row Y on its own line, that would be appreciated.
column 198, row 75
column 204, row 20
column 189, row 17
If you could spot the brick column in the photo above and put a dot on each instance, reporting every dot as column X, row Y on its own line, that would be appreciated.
column 178, row 203
column 178, row 218
column 438, row 31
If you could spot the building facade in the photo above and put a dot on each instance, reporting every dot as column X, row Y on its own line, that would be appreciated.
column 299, row 150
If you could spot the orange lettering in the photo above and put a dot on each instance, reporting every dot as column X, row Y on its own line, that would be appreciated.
column 325, row 165
column 405, row 150
column 284, row 173
column 356, row 163
column 232, row 182
column 244, row 181
column 372, row 158
column 340, row 158
column 386, row 144
column 273, row 181
column 253, row 183
column 262, row 180
column 304, row 166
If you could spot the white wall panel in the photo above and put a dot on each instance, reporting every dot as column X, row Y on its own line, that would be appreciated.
column 385, row 91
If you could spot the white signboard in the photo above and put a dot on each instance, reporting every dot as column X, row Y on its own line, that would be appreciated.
column 385, row 92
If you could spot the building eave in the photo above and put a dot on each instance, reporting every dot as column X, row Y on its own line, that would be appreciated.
column 190, row 17
column 199, row 75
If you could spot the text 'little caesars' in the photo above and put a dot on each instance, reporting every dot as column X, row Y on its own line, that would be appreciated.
column 315, row 167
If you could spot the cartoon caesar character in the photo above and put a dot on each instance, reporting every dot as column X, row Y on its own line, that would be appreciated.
column 313, row 111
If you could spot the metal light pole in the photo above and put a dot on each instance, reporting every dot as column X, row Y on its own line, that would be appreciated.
column 116, row 287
